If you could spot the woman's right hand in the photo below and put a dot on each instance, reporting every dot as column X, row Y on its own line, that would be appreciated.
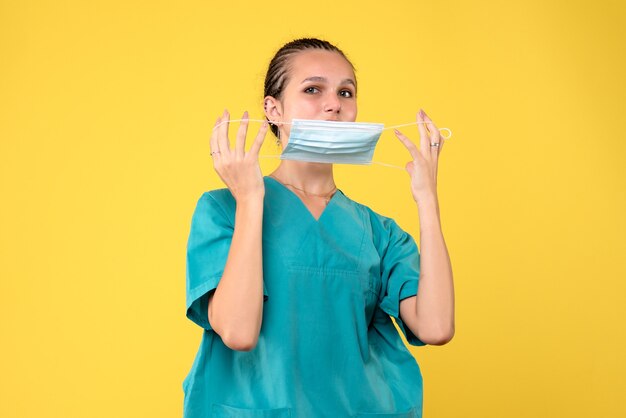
column 238, row 169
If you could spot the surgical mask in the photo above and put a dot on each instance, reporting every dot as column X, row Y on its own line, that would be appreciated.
column 323, row 141
column 334, row 142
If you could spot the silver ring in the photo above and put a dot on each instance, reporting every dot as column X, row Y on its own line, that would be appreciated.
column 434, row 144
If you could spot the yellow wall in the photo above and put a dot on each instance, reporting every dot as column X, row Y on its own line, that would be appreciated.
column 105, row 113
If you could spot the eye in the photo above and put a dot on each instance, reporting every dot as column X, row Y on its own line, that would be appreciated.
column 311, row 90
column 345, row 93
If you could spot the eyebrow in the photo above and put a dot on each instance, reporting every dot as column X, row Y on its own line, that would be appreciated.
column 324, row 80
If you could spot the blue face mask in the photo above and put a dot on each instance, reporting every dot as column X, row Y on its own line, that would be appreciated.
column 323, row 141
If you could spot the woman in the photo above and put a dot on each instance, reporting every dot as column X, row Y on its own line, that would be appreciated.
column 295, row 284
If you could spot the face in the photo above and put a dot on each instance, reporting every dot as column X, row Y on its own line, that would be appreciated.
column 321, row 85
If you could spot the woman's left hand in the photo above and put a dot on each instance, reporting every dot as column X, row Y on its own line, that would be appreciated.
column 423, row 168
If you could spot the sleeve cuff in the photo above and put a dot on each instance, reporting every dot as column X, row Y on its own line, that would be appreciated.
column 408, row 290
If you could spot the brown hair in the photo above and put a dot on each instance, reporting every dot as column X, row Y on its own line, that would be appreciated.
column 276, row 77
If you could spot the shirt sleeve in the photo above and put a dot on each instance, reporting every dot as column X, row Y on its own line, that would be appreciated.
column 208, row 245
column 400, row 271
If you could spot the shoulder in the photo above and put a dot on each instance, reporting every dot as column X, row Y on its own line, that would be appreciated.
column 390, row 239
column 222, row 197
column 217, row 202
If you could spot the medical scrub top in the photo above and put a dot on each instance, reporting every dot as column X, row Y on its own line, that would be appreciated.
column 327, row 346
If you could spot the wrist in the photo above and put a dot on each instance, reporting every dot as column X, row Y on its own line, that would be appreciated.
column 426, row 198
column 251, row 200
column 427, row 206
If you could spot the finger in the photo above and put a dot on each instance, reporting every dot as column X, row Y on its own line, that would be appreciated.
column 213, row 145
column 435, row 147
column 258, row 141
column 240, row 145
column 410, row 166
column 408, row 144
column 424, row 138
column 222, row 137
column 435, row 136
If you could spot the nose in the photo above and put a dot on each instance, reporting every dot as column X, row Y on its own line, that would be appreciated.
column 332, row 103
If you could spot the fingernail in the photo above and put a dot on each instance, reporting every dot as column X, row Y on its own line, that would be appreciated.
column 422, row 114
column 396, row 131
column 245, row 115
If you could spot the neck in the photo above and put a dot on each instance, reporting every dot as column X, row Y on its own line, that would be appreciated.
column 312, row 177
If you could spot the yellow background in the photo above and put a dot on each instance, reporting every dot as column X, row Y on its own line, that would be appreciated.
column 105, row 113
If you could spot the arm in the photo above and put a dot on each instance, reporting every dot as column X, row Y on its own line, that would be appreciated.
column 235, row 308
column 236, row 305
column 430, row 314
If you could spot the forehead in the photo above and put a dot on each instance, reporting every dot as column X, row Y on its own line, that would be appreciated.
column 321, row 63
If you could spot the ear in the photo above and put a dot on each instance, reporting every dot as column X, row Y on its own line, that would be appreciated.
column 273, row 109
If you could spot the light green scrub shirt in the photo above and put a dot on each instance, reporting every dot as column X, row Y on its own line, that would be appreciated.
column 327, row 346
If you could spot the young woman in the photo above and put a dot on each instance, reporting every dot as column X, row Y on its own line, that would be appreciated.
column 295, row 284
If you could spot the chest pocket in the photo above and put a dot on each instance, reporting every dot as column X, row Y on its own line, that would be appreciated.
column 339, row 245
column 225, row 411
column 343, row 257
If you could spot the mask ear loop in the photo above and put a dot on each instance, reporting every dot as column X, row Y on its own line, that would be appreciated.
column 255, row 120
column 250, row 120
column 289, row 123
column 373, row 162
column 410, row 124
column 415, row 123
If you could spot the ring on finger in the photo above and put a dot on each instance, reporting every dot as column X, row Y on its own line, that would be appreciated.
column 434, row 144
